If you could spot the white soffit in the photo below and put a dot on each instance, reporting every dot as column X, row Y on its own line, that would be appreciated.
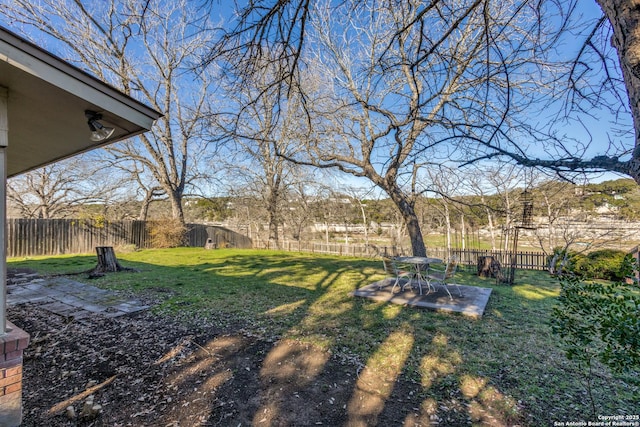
column 47, row 98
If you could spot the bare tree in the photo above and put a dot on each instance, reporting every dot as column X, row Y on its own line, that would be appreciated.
column 509, row 182
column 45, row 193
column 146, row 189
column 601, row 75
column 58, row 190
column 394, row 84
column 555, row 235
column 148, row 50
column 267, row 23
column 446, row 182
column 263, row 135
column 483, row 189
column 358, row 197
column 300, row 207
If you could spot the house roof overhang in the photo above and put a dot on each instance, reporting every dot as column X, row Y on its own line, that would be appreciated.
column 47, row 100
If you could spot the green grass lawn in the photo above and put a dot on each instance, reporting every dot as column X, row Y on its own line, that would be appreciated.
column 507, row 364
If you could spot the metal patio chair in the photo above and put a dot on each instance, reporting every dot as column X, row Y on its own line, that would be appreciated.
column 445, row 276
column 392, row 269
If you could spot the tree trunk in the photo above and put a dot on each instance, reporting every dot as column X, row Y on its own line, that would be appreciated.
column 415, row 234
column 492, row 232
column 274, row 220
column 107, row 262
column 364, row 223
column 462, row 233
column 326, row 232
column 176, row 207
column 408, row 212
column 564, row 262
column 488, row 266
column 144, row 206
column 624, row 16
column 552, row 264
column 447, row 220
column 274, row 232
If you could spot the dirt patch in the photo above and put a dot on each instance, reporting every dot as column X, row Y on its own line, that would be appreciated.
column 13, row 273
column 146, row 370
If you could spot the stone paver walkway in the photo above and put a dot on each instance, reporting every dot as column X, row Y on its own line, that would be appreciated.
column 67, row 297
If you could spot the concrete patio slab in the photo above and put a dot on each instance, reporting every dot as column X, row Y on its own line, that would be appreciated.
column 472, row 302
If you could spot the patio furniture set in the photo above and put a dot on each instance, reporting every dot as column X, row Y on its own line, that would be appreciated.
column 414, row 271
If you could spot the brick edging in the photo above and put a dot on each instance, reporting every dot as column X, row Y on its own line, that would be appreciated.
column 12, row 345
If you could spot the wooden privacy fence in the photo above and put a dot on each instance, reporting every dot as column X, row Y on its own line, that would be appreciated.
column 29, row 237
column 220, row 237
column 467, row 257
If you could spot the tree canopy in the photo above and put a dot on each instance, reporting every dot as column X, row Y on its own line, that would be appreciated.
column 395, row 92
column 542, row 53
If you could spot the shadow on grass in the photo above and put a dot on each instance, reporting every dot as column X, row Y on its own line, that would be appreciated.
column 412, row 367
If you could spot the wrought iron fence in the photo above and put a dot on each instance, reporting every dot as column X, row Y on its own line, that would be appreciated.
column 468, row 257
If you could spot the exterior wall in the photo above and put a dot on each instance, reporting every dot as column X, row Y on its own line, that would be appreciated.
column 12, row 345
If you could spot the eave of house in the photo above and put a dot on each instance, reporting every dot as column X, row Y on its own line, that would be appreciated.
column 47, row 99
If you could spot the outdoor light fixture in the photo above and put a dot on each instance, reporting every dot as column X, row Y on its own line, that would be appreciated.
column 99, row 132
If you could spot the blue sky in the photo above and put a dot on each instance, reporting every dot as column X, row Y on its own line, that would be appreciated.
column 597, row 127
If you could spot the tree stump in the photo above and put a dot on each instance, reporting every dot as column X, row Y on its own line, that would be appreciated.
column 488, row 266
column 107, row 262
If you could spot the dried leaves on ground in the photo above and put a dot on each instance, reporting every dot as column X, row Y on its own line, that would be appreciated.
column 148, row 370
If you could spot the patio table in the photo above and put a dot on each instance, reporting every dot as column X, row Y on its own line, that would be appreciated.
column 420, row 269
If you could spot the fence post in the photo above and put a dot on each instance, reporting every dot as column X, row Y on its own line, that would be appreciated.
column 27, row 237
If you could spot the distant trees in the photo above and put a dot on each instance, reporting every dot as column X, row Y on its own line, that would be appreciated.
column 61, row 190
column 260, row 135
column 300, row 209
column 44, row 193
column 622, row 196
column 212, row 209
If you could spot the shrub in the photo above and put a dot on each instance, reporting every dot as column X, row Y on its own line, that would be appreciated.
column 561, row 260
column 604, row 264
column 599, row 322
column 167, row 233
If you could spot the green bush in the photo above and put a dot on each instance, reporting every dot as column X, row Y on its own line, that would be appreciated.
column 599, row 322
column 603, row 264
